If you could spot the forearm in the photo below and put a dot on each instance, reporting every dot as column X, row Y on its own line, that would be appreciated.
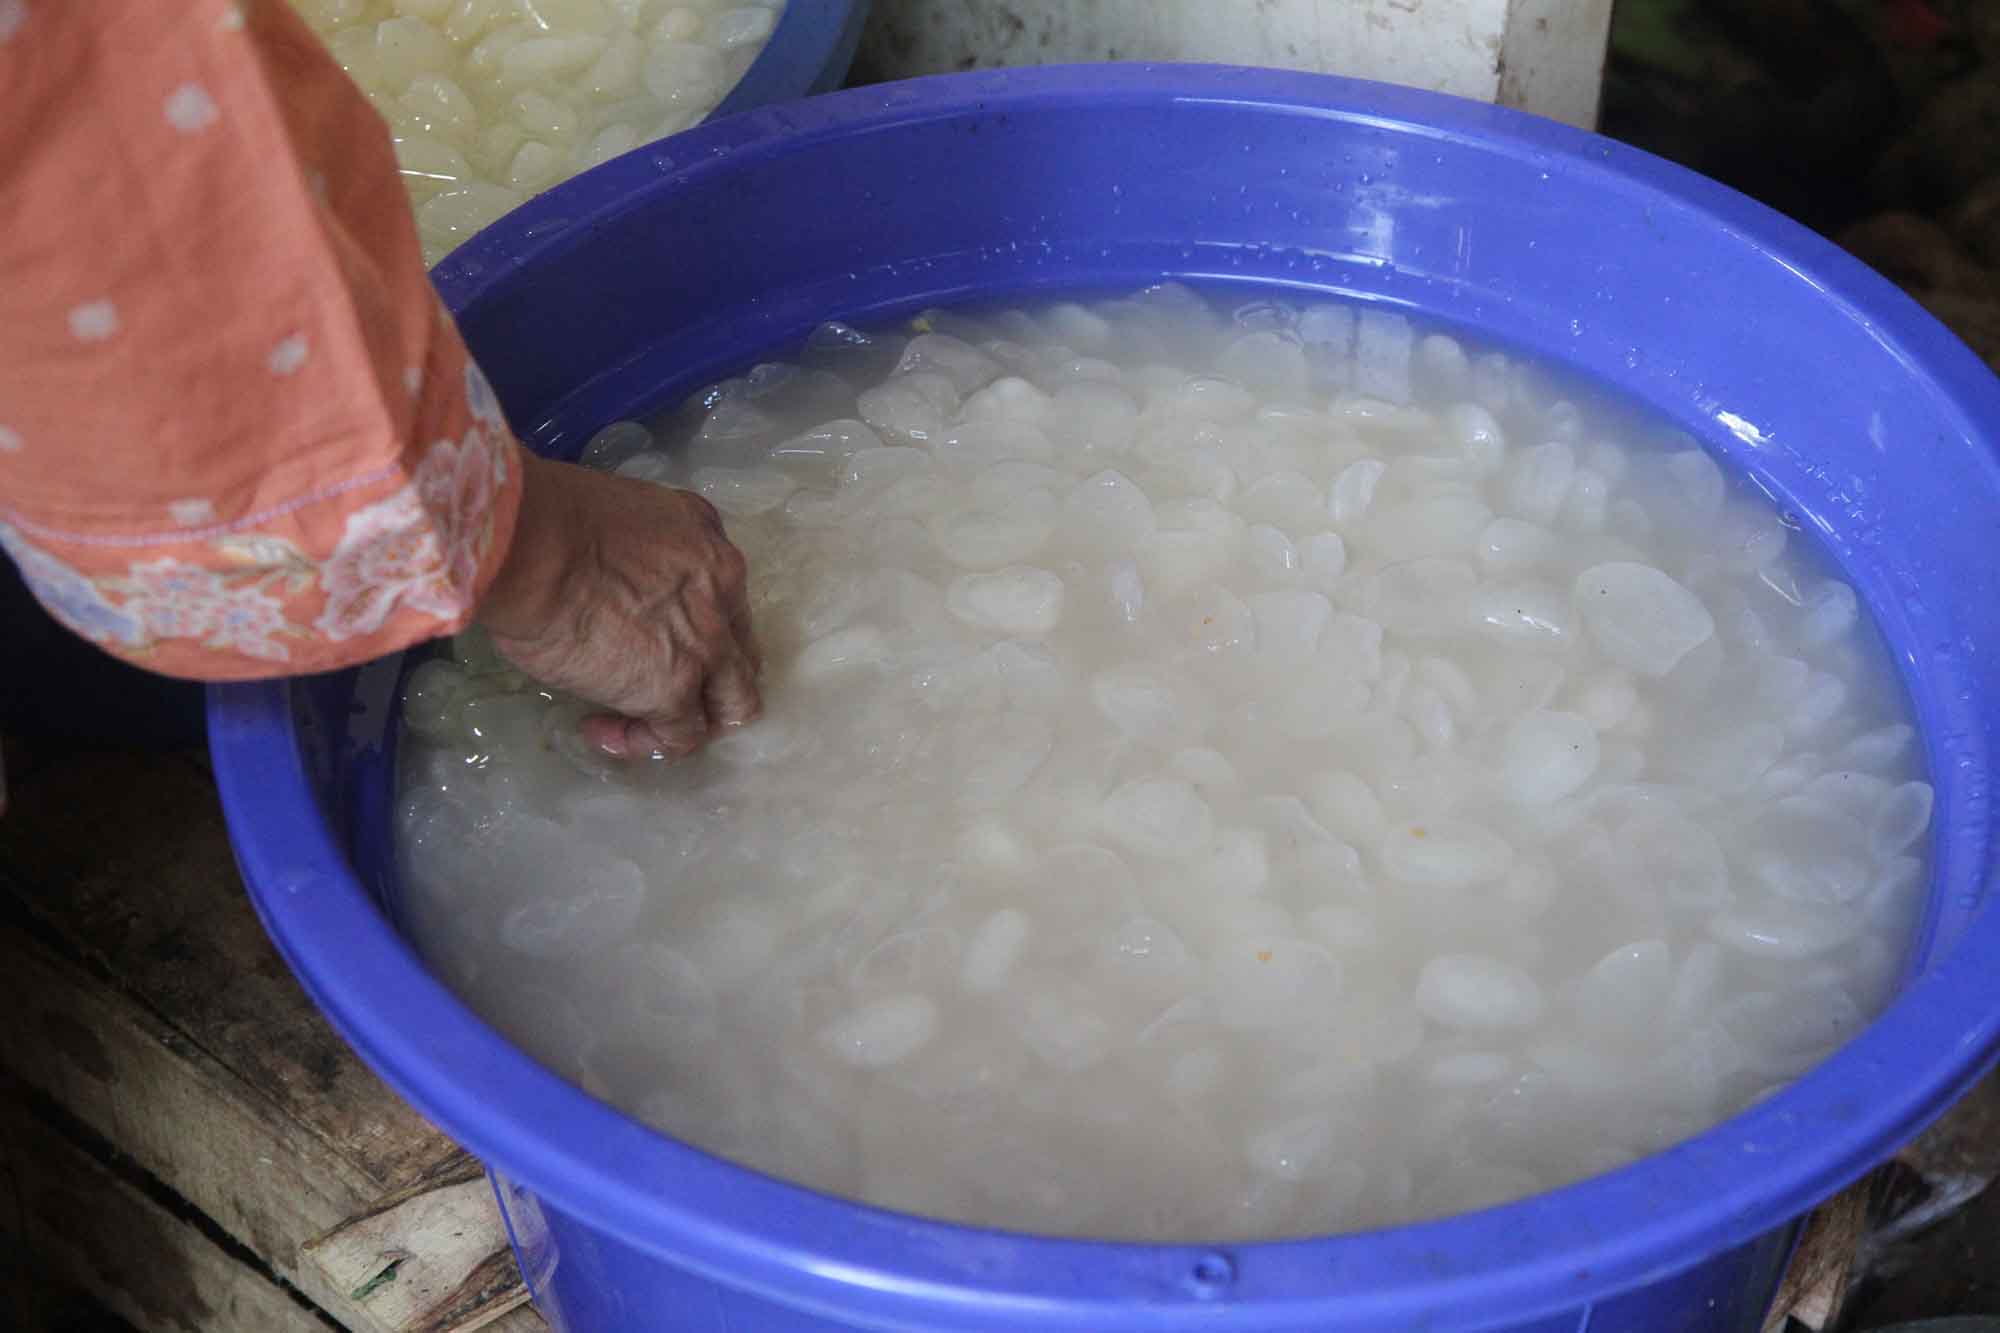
column 238, row 436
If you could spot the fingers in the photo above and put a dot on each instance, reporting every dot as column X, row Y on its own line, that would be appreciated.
column 699, row 700
column 668, row 737
column 652, row 622
column 606, row 733
column 729, row 693
column 713, row 625
column 646, row 737
column 727, row 697
column 732, row 595
column 746, row 637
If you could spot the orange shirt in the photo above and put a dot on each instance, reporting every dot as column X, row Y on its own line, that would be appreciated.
column 239, row 436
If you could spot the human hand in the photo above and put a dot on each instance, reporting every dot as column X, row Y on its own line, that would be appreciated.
column 629, row 595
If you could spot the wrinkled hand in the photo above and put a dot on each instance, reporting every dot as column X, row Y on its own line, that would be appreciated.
column 629, row 595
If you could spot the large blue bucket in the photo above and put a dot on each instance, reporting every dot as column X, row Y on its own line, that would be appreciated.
column 640, row 280
column 807, row 53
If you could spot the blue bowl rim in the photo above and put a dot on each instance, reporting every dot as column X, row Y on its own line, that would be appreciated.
column 1658, row 1216
column 808, row 52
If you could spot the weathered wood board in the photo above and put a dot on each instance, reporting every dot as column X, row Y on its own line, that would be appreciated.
column 431, row 1258
column 152, row 1009
column 82, row 1226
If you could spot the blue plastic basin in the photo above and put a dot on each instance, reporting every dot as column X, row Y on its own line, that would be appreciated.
column 636, row 282
column 807, row 53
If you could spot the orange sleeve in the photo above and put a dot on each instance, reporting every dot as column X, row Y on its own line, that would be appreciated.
column 239, row 436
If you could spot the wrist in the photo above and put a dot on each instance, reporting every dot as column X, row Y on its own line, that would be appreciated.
column 526, row 592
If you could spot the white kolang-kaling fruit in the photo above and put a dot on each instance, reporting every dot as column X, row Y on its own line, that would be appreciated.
column 1477, row 994
column 491, row 102
column 1016, row 600
column 1641, row 618
column 882, row 1032
column 1226, row 773
column 1546, row 756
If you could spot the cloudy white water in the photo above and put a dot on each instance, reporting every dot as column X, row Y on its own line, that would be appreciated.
column 1228, row 773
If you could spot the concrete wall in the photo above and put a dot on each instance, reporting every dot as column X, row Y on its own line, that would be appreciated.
column 1544, row 56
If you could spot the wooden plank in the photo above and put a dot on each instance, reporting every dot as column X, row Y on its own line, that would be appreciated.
column 154, row 900
column 175, row 1111
column 521, row 1319
column 83, row 1226
column 429, row 1259
column 1814, row 1290
column 155, row 1011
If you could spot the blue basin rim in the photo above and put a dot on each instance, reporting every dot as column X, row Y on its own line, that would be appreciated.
column 808, row 52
